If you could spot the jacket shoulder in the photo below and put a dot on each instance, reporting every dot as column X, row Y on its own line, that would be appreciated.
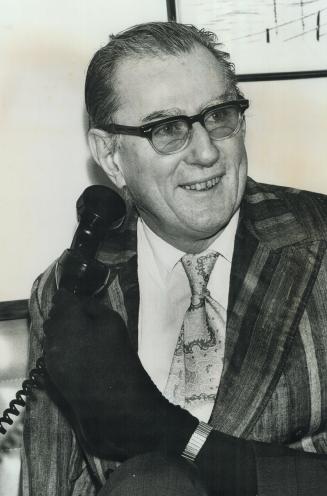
column 306, row 208
column 43, row 290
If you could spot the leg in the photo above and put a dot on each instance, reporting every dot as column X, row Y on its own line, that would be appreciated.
column 154, row 475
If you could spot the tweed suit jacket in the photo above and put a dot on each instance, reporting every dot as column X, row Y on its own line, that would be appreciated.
column 274, row 382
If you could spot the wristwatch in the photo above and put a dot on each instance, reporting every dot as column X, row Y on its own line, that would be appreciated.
column 196, row 441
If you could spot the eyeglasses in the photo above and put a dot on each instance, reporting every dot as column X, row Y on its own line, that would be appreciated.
column 172, row 134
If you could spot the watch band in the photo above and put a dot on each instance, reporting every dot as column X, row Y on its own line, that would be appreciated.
column 196, row 441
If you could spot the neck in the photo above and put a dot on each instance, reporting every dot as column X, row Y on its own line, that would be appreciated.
column 193, row 246
column 185, row 244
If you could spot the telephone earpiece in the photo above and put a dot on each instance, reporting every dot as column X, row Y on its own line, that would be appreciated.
column 99, row 211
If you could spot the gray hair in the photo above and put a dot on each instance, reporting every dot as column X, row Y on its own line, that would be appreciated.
column 148, row 39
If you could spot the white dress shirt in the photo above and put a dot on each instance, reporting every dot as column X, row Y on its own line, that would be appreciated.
column 165, row 296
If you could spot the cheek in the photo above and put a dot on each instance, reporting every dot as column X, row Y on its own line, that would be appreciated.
column 136, row 169
column 144, row 170
column 132, row 166
column 241, row 175
column 236, row 158
column 236, row 166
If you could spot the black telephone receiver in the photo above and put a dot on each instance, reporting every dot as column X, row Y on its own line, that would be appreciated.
column 99, row 211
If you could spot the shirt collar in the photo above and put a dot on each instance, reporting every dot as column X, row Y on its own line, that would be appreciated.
column 167, row 256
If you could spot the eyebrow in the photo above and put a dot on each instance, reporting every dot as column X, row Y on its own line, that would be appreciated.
column 224, row 97
column 161, row 114
column 173, row 112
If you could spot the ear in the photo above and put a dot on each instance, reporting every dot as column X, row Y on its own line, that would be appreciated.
column 103, row 151
column 243, row 127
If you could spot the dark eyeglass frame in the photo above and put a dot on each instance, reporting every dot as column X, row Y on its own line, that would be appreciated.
column 145, row 131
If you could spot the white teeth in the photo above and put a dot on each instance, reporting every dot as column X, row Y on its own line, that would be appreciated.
column 202, row 186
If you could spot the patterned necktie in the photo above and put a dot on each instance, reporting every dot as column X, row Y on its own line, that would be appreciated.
column 198, row 358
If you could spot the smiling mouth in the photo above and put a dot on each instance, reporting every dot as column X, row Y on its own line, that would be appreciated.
column 203, row 186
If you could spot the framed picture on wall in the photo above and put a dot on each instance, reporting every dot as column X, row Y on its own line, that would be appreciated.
column 267, row 39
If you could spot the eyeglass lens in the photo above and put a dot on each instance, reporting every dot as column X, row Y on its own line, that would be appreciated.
column 172, row 136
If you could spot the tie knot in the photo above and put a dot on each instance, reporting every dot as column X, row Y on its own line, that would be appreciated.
column 198, row 269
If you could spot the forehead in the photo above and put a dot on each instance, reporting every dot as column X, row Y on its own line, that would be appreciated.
column 184, row 83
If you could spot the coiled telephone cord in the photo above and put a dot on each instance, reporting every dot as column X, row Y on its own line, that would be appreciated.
column 28, row 385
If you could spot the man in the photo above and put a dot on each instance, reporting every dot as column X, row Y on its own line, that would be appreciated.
column 245, row 360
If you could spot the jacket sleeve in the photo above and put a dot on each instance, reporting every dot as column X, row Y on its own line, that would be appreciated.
column 52, row 462
column 289, row 472
column 235, row 466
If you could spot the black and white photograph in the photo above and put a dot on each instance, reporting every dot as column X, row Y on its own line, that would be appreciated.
column 163, row 268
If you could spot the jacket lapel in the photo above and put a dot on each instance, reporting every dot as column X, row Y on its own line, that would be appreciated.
column 271, row 280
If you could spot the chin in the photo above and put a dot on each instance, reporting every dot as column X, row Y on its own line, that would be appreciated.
column 213, row 221
column 207, row 230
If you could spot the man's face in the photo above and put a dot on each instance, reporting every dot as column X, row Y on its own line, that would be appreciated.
column 153, row 88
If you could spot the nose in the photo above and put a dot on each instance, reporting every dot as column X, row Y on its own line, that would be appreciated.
column 201, row 149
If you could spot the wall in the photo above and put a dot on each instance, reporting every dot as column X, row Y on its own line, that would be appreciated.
column 45, row 48
column 286, row 132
